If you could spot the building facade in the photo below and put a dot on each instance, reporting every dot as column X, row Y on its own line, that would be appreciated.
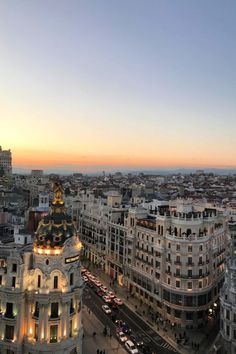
column 5, row 162
column 41, row 289
column 228, row 298
column 169, row 257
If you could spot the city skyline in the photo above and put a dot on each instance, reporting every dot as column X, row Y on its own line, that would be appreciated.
column 108, row 85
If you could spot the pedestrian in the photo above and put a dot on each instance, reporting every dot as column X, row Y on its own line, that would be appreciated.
column 98, row 351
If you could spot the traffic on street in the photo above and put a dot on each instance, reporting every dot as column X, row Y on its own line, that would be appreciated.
column 134, row 334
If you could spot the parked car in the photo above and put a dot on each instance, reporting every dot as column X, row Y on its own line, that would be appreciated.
column 106, row 309
column 131, row 347
column 122, row 337
column 137, row 340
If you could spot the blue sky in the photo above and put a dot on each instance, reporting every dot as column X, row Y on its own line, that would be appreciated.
column 118, row 83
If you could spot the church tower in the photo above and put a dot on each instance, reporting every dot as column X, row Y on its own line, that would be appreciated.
column 54, row 285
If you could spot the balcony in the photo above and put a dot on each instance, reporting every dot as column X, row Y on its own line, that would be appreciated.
column 177, row 263
column 168, row 260
column 9, row 315
column 190, row 264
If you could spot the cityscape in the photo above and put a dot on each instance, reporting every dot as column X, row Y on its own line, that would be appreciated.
column 117, row 177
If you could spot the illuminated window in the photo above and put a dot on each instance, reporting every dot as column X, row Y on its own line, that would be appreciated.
column 36, row 331
column 9, row 332
column 53, row 333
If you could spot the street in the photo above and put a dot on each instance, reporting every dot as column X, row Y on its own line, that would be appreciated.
column 138, row 326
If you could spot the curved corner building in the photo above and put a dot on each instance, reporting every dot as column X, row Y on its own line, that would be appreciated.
column 41, row 290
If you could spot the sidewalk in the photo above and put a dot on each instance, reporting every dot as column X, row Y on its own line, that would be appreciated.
column 92, row 343
column 199, row 338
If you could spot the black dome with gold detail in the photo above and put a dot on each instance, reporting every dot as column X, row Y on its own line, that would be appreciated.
column 56, row 227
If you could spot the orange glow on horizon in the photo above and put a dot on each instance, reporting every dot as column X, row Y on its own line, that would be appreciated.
column 165, row 159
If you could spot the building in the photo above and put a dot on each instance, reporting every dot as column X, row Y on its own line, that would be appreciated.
column 5, row 162
column 41, row 289
column 228, row 298
column 170, row 257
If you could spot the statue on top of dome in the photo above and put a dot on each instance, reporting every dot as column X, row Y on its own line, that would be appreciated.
column 58, row 191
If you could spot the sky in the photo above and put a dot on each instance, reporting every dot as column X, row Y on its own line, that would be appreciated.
column 92, row 85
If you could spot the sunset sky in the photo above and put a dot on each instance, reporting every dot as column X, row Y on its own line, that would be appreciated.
column 91, row 85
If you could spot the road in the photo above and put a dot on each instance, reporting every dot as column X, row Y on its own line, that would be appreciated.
column 137, row 325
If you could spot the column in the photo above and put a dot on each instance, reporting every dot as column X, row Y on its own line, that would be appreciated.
column 46, row 326
column 63, row 321
column 41, row 324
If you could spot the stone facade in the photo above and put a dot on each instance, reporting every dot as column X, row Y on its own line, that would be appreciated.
column 41, row 291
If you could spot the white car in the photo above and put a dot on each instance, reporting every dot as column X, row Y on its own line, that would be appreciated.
column 106, row 298
column 122, row 337
column 104, row 288
column 131, row 347
column 106, row 309
column 118, row 301
column 110, row 294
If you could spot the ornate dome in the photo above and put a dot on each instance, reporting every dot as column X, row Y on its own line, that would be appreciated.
column 56, row 227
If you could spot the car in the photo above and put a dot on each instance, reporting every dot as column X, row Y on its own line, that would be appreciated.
column 137, row 340
column 106, row 309
column 125, row 328
column 104, row 288
column 100, row 293
column 110, row 294
column 97, row 283
column 106, row 299
column 118, row 301
column 122, row 337
column 114, row 306
column 131, row 347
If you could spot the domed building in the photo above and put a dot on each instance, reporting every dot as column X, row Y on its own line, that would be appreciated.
column 41, row 289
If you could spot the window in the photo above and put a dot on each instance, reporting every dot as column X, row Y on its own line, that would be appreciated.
column 9, row 332
column 234, row 317
column 177, row 247
column 200, row 284
column 39, row 281
column 13, row 283
column 9, row 310
column 190, row 260
column 14, row 267
column 0, row 279
column 190, row 285
column 190, row 248
column 190, row 273
column 36, row 309
column 200, row 248
column 70, row 328
column 72, row 279
column 168, row 281
column 234, row 333
column 71, row 306
column 200, row 272
column 177, row 272
column 54, row 309
column 36, row 331
column 55, row 282
column 53, row 333
column 227, row 315
column 177, row 284
column 227, row 330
